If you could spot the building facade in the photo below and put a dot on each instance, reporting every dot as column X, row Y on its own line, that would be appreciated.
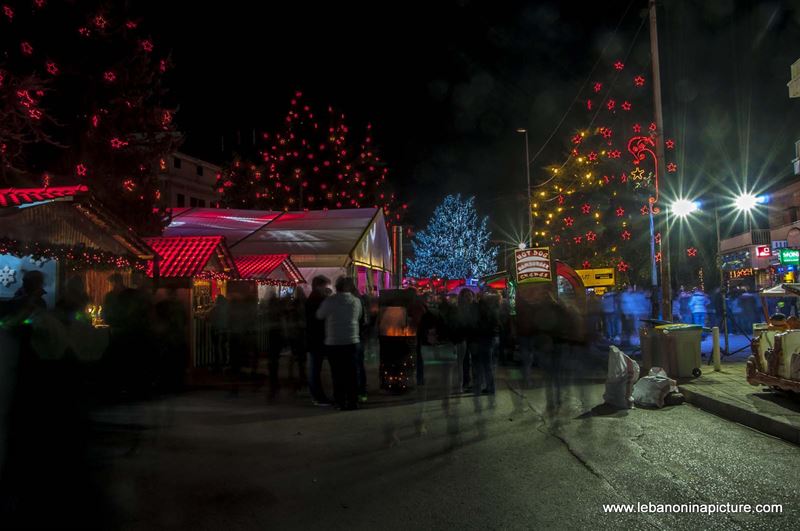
column 186, row 181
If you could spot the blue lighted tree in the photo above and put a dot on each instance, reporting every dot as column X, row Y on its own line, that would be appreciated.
column 455, row 244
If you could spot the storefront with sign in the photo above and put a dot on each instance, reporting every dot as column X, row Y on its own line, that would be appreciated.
column 749, row 268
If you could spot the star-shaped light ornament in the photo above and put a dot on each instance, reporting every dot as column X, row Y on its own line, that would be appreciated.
column 586, row 208
column 620, row 212
column 577, row 240
column 626, row 235
column 586, row 264
column 568, row 221
column 637, row 173
column 645, row 210
column 626, row 106
column 591, row 236
column 622, row 266
column 619, row 65
column 592, row 156
column 638, row 81
column 672, row 167
column 670, row 144
column 691, row 251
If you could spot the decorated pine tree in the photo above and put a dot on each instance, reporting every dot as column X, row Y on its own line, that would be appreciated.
column 594, row 208
column 82, row 100
column 455, row 244
column 313, row 161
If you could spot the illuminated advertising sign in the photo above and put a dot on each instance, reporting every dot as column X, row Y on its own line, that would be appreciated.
column 741, row 273
column 789, row 256
column 533, row 265
column 763, row 250
column 596, row 277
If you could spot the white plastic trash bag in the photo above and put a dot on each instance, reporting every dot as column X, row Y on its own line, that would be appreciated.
column 653, row 388
column 622, row 374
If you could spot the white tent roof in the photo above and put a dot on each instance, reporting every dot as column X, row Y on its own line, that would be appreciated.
column 316, row 238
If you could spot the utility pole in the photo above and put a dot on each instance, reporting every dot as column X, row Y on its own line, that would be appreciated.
column 528, row 176
column 666, row 282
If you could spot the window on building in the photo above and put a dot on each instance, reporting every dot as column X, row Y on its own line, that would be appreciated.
column 192, row 201
column 180, row 199
column 176, row 162
column 199, row 170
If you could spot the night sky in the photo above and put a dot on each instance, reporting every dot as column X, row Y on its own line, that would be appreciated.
column 447, row 83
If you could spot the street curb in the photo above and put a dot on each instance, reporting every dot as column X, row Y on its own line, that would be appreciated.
column 734, row 412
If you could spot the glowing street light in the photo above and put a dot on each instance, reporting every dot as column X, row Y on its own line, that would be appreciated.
column 747, row 202
column 684, row 207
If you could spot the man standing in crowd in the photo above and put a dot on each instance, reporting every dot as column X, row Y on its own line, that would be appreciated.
column 342, row 314
column 320, row 287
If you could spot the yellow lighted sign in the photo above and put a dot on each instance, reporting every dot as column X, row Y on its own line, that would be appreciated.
column 603, row 276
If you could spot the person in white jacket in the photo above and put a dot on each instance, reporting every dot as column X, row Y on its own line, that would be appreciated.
column 342, row 314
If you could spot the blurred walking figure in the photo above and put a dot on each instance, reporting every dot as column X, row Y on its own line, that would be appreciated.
column 242, row 329
column 698, row 306
column 611, row 318
column 219, row 319
column 296, row 337
column 363, row 332
column 488, row 329
column 526, row 337
column 320, row 286
column 276, row 341
column 466, row 322
column 342, row 313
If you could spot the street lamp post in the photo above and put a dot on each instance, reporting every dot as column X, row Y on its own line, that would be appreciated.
column 528, row 177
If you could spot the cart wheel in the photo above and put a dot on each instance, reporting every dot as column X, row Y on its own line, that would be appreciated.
column 696, row 372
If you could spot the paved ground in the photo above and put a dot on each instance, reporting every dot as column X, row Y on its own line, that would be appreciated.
column 206, row 460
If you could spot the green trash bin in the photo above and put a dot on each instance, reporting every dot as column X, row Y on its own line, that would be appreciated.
column 678, row 350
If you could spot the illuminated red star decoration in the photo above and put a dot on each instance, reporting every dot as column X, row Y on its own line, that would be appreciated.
column 568, row 221
column 95, row 120
column 577, row 239
column 129, row 185
column 147, row 46
column 658, row 256
column 39, row 3
column 591, row 236
column 560, row 199
column 26, row 48
column 622, row 266
column 116, row 143
column 623, row 178
column 658, row 238
column 586, row 208
column 36, row 114
column 84, row 32
column 556, row 238
column 637, row 173
column 592, row 156
column 620, row 212
column 626, row 235
column 614, row 154
column 672, row 167
column 7, row 11
column 52, row 68
column 606, row 179
column 645, row 210
column 100, row 22
column 586, row 264
column 110, row 76
column 652, row 127
column 588, row 105
column 619, row 65
column 691, row 251
column 131, row 24
column 637, row 128
column 638, row 81
column 670, row 144
column 626, row 106
column 80, row 169
column 606, row 132
column 577, row 139
column 611, row 104
column 598, row 87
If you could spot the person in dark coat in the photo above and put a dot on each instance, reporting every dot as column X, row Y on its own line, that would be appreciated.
column 315, row 336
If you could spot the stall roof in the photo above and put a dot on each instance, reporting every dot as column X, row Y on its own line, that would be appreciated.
column 234, row 224
column 265, row 267
column 67, row 215
column 190, row 256
column 314, row 238
column 781, row 290
column 18, row 197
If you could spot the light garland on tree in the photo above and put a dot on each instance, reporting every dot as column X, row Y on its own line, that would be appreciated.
column 77, row 257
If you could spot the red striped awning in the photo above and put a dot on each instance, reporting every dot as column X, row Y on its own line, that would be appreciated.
column 188, row 257
column 14, row 197
column 264, row 267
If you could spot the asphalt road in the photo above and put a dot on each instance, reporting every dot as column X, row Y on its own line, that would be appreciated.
column 206, row 460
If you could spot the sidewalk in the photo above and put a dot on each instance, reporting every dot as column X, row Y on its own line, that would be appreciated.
column 727, row 394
